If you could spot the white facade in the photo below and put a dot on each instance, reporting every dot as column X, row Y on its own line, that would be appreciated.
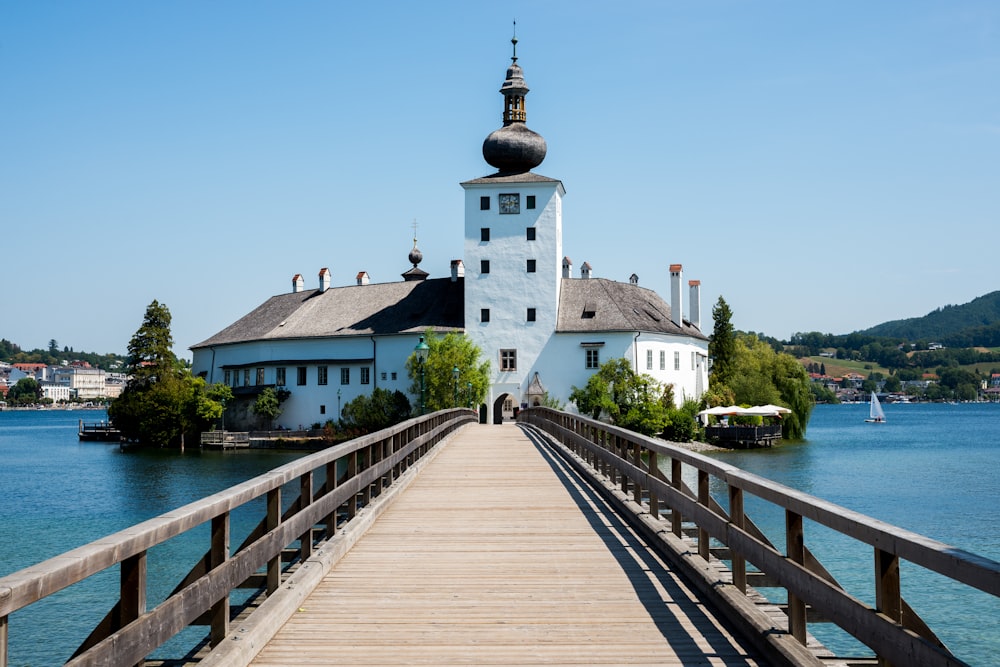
column 515, row 224
column 512, row 294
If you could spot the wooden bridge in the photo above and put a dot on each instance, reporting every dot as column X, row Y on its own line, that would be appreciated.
column 556, row 541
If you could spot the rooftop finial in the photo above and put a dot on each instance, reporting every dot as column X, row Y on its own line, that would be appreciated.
column 414, row 232
column 513, row 40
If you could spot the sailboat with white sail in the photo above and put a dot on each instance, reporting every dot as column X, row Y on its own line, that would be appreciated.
column 875, row 412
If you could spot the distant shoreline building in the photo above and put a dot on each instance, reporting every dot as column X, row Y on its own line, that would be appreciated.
column 513, row 294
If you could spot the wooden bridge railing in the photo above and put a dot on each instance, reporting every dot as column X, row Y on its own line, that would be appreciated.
column 366, row 467
column 661, row 508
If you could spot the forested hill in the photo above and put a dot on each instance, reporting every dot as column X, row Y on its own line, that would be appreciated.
column 971, row 324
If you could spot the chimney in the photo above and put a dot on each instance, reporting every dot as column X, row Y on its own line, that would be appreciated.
column 363, row 278
column 695, row 306
column 567, row 267
column 676, row 301
column 633, row 279
column 324, row 279
column 297, row 283
column 585, row 271
column 457, row 270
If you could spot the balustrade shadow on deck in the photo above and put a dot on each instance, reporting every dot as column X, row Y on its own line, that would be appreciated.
column 627, row 466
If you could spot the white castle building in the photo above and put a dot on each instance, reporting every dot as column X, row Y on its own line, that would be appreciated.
column 513, row 294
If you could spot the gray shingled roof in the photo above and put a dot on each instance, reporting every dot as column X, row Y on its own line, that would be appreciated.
column 499, row 177
column 385, row 308
column 598, row 304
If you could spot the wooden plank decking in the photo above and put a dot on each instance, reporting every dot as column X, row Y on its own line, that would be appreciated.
column 496, row 555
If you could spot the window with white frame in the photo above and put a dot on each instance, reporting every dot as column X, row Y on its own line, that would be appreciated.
column 663, row 360
column 677, row 361
column 365, row 375
column 321, row 375
column 259, row 379
column 345, row 376
column 279, row 376
column 649, row 360
column 508, row 360
column 593, row 357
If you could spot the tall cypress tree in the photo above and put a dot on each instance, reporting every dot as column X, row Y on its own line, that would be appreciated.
column 722, row 345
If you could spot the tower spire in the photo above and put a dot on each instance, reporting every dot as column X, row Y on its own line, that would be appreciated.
column 513, row 40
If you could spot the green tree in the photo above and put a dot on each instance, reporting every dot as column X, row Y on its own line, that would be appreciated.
column 267, row 406
column 25, row 392
column 53, row 347
column 162, row 403
column 761, row 376
column 721, row 346
column 625, row 398
column 445, row 353
column 370, row 413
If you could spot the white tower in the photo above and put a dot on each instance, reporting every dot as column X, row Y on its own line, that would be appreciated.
column 513, row 251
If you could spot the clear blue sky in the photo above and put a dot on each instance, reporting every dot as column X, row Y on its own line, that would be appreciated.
column 822, row 165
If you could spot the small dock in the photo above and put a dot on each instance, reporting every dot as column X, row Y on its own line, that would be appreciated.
column 743, row 437
column 225, row 439
column 98, row 432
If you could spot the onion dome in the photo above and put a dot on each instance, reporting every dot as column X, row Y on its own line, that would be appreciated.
column 415, row 257
column 514, row 148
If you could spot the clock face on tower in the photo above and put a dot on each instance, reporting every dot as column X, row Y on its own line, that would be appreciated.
column 510, row 203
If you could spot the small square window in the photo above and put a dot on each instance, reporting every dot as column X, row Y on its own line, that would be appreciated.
column 383, row 377
column 322, row 409
column 529, row 201
column 531, row 233
column 531, row 266
column 484, row 266
column 484, row 203
column 345, row 376
column 484, row 234
column 531, row 314
column 508, row 360
column 484, row 315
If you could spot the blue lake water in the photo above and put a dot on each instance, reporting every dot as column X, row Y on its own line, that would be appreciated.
column 932, row 469
column 59, row 493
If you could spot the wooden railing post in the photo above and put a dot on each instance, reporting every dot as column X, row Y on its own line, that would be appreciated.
column 654, row 500
column 132, row 589
column 678, row 483
column 352, row 472
column 219, row 554
column 331, row 484
column 705, row 501
column 305, row 500
column 888, row 595
column 4, row 639
column 273, row 521
column 795, row 546
column 637, row 462
column 738, row 519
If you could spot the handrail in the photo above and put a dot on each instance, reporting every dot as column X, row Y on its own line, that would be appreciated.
column 130, row 632
column 891, row 629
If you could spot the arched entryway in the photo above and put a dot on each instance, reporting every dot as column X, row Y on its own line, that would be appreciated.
column 503, row 408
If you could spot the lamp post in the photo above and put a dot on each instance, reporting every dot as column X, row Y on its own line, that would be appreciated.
column 421, row 351
column 454, row 374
